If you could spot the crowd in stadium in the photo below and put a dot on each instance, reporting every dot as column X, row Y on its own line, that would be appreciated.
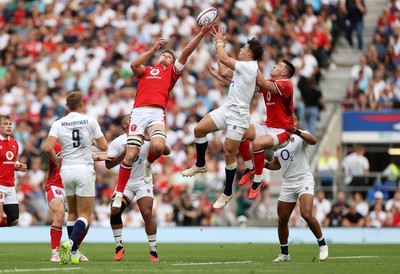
column 50, row 48
column 375, row 82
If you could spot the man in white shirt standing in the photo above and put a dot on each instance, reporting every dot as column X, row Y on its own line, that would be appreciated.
column 77, row 133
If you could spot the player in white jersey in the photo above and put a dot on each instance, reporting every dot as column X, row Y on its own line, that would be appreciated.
column 298, row 184
column 135, row 188
column 77, row 133
column 234, row 114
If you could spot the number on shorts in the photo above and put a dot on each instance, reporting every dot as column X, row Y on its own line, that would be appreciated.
column 76, row 138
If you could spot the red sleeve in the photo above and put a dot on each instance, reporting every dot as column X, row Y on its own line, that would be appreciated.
column 284, row 87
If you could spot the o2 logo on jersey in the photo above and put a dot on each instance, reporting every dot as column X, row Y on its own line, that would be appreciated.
column 58, row 192
column 9, row 155
column 154, row 72
column 285, row 155
column 133, row 127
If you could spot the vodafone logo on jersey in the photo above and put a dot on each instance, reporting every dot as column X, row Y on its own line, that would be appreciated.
column 154, row 72
column 133, row 127
column 9, row 155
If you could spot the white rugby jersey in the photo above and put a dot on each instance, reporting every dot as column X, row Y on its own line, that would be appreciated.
column 294, row 161
column 76, row 132
column 241, row 89
column 117, row 146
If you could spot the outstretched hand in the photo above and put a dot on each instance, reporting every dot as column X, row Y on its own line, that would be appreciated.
column 207, row 27
column 218, row 34
column 158, row 44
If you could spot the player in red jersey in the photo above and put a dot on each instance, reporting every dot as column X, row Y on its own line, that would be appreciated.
column 9, row 209
column 278, row 126
column 148, row 113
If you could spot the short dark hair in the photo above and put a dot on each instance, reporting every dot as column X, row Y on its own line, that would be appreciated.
column 256, row 48
column 291, row 69
column 74, row 100
column 170, row 52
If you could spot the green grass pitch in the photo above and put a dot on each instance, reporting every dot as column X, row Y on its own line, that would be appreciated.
column 206, row 258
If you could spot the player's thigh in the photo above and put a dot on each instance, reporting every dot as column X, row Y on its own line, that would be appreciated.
column 72, row 207
column 285, row 209
column 145, row 206
column 288, row 193
column 85, row 183
column 264, row 141
column 85, row 206
column 56, row 193
column 215, row 120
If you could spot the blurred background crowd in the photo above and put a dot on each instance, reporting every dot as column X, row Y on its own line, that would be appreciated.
column 49, row 48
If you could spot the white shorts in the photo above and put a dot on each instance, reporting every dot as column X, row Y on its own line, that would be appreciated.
column 142, row 118
column 80, row 182
column 232, row 118
column 291, row 192
column 138, row 189
column 8, row 195
column 56, row 192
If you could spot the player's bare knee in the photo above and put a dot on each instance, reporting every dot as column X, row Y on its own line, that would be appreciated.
column 158, row 148
column 199, row 132
column 306, row 216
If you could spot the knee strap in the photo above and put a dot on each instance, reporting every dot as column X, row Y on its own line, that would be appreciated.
column 134, row 141
column 12, row 212
column 158, row 133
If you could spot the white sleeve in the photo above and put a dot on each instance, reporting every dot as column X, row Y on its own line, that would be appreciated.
column 114, row 148
column 54, row 130
column 97, row 133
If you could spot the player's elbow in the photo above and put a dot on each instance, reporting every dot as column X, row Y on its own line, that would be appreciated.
column 110, row 165
column 102, row 144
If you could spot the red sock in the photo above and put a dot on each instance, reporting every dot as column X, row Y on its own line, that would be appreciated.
column 259, row 157
column 55, row 236
column 151, row 156
column 123, row 177
column 80, row 239
column 244, row 150
column 3, row 221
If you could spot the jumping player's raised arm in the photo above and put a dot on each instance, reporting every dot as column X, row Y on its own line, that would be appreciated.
column 137, row 64
column 188, row 50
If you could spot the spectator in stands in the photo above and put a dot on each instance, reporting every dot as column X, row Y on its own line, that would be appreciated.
column 378, row 190
column 334, row 218
column 322, row 206
column 356, row 166
column 353, row 218
column 327, row 166
column 393, row 217
column 361, row 205
column 313, row 100
column 377, row 217
column 393, row 202
column 354, row 11
column 341, row 201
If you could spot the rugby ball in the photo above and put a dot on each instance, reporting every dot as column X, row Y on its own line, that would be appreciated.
column 208, row 15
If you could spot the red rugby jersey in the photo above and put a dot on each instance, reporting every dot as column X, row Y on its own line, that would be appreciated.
column 279, row 106
column 8, row 156
column 154, row 86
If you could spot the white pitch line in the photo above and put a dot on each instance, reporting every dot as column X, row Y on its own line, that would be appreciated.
column 211, row 263
column 354, row 257
column 39, row 269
